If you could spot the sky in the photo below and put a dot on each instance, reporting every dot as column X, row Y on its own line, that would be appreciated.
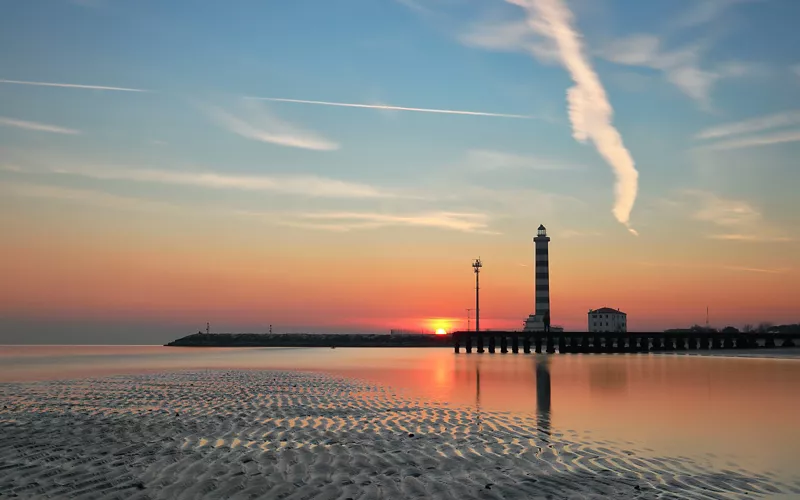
column 336, row 166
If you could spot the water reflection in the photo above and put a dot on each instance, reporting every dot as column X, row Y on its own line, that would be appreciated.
column 744, row 410
column 608, row 377
column 478, row 395
column 542, row 364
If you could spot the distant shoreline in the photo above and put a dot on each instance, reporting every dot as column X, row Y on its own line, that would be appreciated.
column 310, row 340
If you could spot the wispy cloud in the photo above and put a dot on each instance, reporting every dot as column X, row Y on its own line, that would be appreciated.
column 761, row 140
column 345, row 221
column 386, row 107
column 589, row 109
column 751, row 237
column 680, row 67
column 738, row 219
column 782, row 270
column 256, row 123
column 306, row 185
column 744, row 269
column 705, row 11
column 326, row 221
column 38, row 127
column 527, row 36
column 575, row 233
column 414, row 5
column 723, row 211
column 485, row 159
column 759, row 124
column 73, row 86
column 84, row 197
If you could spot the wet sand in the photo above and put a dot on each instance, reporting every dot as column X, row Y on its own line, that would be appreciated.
column 283, row 434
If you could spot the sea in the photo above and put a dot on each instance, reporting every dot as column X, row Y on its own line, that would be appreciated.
column 736, row 413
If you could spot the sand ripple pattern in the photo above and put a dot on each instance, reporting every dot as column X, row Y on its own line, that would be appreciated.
column 289, row 435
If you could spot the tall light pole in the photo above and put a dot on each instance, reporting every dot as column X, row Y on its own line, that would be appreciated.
column 477, row 267
column 468, row 311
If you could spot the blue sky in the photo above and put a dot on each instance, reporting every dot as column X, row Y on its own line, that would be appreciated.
column 684, row 116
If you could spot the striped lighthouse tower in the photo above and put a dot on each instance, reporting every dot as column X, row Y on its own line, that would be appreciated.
column 542, row 260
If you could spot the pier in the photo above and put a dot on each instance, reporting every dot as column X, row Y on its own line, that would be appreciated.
column 586, row 342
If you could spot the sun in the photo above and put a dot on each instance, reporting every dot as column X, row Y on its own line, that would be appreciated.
column 441, row 331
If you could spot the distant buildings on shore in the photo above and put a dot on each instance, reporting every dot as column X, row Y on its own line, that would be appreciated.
column 407, row 332
column 607, row 319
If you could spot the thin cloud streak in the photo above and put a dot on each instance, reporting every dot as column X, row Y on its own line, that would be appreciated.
column 722, row 211
column 755, row 238
column 339, row 221
column 589, row 109
column 745, row 269
column 466, row 222
column 307, row 185
column 739, row 220
column 758, row 270
column 73, row 86
column 38, row 127
column 85, row 197
column 260, row 125
column 392, row 108
column 752, row 125
column 486, row 159
column 704, row 11
column 762, row 140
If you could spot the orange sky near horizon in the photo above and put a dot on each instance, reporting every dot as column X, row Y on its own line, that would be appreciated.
column 368, row 281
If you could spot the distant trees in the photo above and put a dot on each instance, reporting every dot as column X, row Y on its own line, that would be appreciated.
column 764, row 327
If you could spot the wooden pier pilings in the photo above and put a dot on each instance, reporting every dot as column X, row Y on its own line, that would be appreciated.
column 583, row 342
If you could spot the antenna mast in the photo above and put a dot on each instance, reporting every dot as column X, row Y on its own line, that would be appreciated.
column 477, row 267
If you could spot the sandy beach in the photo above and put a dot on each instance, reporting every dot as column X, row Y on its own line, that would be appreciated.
column 282, row 434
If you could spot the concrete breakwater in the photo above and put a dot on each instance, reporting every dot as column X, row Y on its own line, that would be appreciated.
column 310, row 340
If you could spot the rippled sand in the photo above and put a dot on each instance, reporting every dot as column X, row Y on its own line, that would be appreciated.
column 242, row 434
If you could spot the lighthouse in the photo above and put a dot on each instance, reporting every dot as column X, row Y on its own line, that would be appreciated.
column 541, row 307
column 542, row 259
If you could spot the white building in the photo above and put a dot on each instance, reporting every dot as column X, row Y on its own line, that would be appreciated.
column 606, row 319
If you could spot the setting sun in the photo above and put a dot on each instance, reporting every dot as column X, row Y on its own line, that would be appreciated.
column 441, row 331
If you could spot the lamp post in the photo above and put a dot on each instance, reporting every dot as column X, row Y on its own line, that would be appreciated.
column 477, row 267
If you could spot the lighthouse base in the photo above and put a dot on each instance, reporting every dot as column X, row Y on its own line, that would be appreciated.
column 535, row 323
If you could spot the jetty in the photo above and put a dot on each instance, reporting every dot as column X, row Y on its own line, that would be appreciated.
column 597, row 342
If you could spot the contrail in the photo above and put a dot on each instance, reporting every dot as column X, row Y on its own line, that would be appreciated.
column 589, row 109
column 73, row 86
column 393, row 108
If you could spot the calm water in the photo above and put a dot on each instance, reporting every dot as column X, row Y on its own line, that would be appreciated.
column 735, row 413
